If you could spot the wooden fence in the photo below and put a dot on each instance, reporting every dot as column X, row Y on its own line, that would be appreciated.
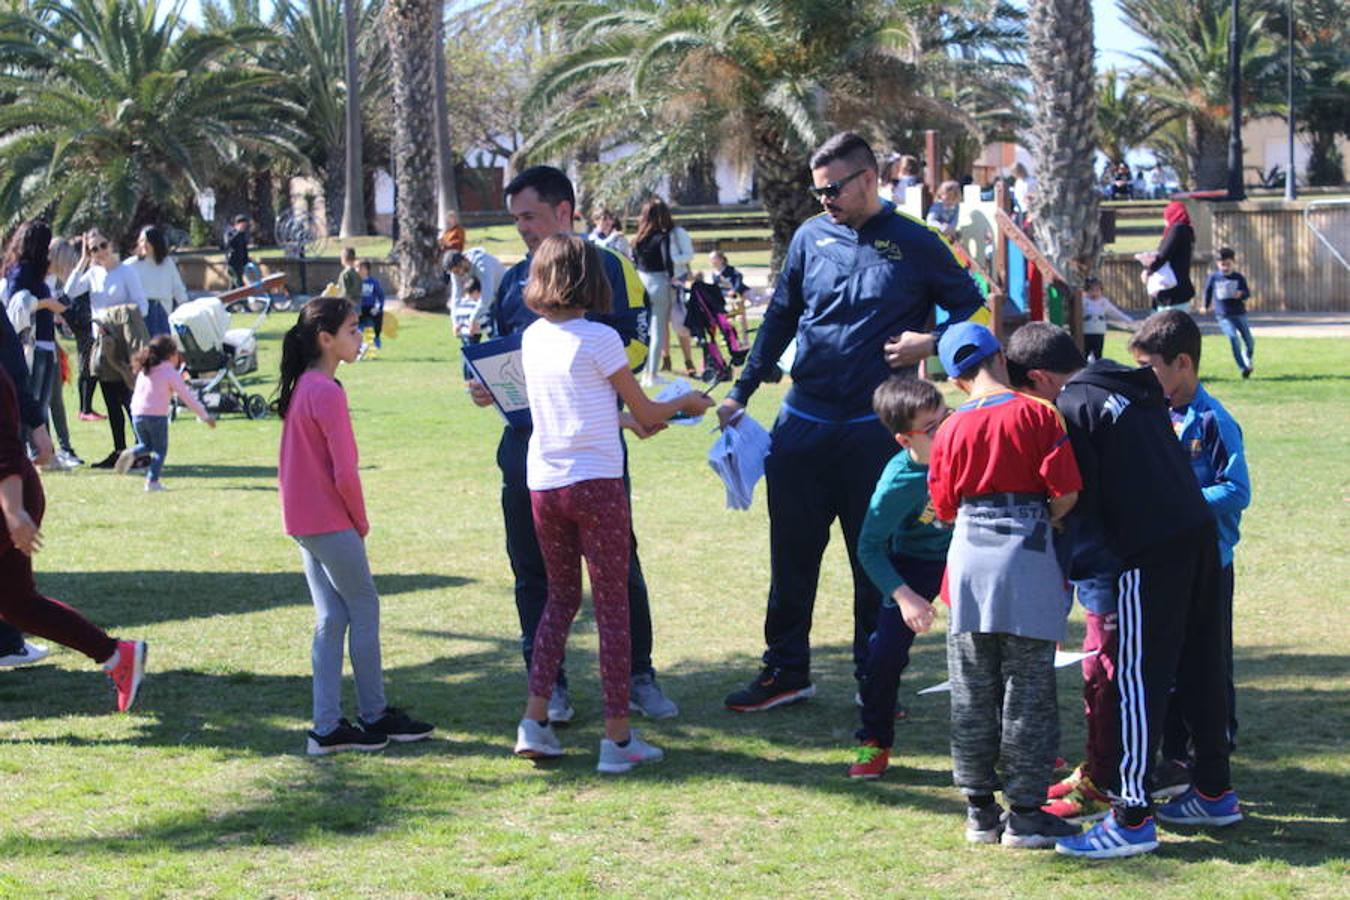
column 1287, row 267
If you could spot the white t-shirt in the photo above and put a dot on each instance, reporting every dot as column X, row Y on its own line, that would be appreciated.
column 1096, row 312
column 160, row 281
column 574, row 407
column 108, row 287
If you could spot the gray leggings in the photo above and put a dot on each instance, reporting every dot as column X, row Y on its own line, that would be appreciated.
column 1004, row 715
column 344, row 595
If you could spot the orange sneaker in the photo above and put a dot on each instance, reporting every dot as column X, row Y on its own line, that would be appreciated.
column 872, row 761
column 128, row 672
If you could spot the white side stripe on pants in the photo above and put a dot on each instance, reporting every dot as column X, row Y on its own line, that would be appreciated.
column 1133, row 701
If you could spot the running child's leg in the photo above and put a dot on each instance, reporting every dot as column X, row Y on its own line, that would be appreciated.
column 560, row 545
column 600, row 509
column 24, row 608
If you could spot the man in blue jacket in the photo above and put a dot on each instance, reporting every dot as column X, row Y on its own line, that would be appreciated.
column 857, row 290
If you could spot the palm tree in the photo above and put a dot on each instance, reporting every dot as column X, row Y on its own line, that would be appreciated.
column 1322, row 80
column 1126, row 115
column 447, row 197
column 353, row 202
column 1060, row 55
column 117, row 114
column 1185, row 68
column 312, row 56
column 411, row 26
column 766, row 79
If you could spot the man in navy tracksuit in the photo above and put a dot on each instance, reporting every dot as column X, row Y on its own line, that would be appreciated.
column 857, row 289
column 1140, row 494
column 541, row 200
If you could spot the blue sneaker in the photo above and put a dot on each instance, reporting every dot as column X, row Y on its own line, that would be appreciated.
column 1194, row 808
column 1109, row 839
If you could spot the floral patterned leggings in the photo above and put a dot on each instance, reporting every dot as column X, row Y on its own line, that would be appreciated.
column 590, row 519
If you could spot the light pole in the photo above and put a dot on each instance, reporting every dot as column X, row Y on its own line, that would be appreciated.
column 1235, row 189
column 1290, row 187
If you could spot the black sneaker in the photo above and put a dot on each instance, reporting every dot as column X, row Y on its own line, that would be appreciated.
column 1036, row 829
column 345, row 737
column 1171, row 778
column 108, row 461
column 984, row 824
column 397, row 726
column 774, row 687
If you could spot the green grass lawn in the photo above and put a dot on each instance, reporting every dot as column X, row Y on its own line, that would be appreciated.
column 204, row 788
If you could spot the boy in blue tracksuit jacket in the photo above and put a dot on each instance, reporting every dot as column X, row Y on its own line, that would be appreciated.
column 859, row 283
column 1212, row 441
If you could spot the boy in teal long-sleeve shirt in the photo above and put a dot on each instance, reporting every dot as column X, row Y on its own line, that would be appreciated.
column 904, row 551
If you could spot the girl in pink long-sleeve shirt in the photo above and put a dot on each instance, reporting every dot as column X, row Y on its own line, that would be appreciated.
column 157, row 380
column 322, row 508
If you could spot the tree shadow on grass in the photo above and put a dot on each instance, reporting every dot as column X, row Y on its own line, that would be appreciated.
column 1295, row 816
column 128, row 599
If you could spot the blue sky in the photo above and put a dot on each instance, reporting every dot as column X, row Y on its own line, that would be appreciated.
column 1114, row 40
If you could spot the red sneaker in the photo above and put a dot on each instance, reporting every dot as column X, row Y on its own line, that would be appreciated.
column 1067, row 786
column 128, row 672
column 872, row 761
column 1083, row 804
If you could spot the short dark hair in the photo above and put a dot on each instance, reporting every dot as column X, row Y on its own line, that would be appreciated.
column 1092, row 281
column 847, row 145
column 240, row 219
column 1040, row 345
column 1169, row 334
column 568, row 273
column 551, row 184
column 900, row 398
column 1226, row 253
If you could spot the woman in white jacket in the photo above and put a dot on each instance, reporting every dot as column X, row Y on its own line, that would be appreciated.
column 160, row 278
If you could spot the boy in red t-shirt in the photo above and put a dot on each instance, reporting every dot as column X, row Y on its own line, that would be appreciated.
column 1002, row 469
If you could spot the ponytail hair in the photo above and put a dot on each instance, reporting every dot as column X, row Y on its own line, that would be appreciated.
column 160, row 349
column 300, row 346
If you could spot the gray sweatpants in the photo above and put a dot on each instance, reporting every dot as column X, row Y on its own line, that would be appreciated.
column 344, row 595
column 1004, row 715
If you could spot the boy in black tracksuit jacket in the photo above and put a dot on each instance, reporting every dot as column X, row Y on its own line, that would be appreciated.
column 1139, row 489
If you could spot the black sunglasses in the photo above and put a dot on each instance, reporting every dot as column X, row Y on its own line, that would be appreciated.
column 101, row 245
column 831, row 190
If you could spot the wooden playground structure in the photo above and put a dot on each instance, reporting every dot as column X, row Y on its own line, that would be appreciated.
column 1019, row 282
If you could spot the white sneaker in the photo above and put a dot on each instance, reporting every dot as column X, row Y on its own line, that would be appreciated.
column 26, row 655
column 560, row 706
column 645, row 696
column 535, row 741
column 124, row 461
column 615, row 760
column 154, row 487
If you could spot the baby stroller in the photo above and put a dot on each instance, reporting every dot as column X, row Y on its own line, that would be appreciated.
column 216, row 355
column 706, row 318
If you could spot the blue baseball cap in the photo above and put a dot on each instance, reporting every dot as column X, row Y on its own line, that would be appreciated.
column 955, row 341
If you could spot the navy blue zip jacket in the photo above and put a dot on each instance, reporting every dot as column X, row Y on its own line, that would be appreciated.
column 843, row 294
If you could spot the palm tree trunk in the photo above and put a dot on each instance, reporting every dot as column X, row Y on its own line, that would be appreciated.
column 447, row 192
column 782, row 177
column 1209, row 153
column 262, row 207
column 412, row 44
column 353, row 200
column 1064, row 111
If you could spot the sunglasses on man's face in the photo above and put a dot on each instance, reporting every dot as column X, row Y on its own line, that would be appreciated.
column 831, row 190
